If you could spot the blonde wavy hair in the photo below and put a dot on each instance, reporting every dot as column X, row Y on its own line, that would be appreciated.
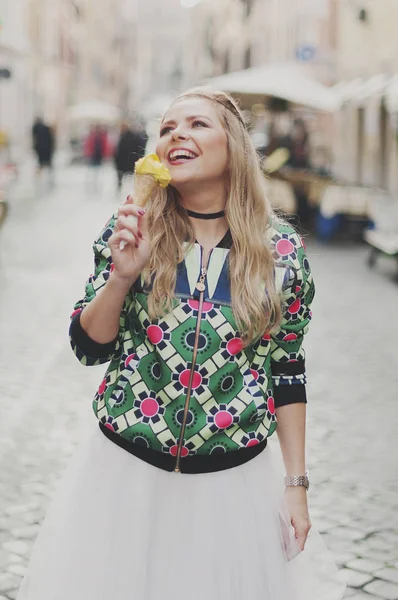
column 255, row 302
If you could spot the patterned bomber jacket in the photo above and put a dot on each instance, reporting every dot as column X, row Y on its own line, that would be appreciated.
column 182, row 393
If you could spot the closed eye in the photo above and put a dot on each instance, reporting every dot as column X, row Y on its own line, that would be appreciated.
column 197, row 123
column 165, row 130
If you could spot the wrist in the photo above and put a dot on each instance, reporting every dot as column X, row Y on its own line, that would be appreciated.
column 296, row 490
column 121, row 283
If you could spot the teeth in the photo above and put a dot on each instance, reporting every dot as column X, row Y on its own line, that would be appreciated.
column 182, row 153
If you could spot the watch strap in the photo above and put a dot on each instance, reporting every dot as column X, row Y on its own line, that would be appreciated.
column 297, row 481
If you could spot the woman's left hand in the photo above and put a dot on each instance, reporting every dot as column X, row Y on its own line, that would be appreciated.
column 298, row 509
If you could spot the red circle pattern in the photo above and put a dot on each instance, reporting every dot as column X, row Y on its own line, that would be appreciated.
column 251, row 443
column 129, row 359
column 155, row 334
column 223, row 419
column 149, row 407
column 254, row 373
column 234, row 346
column 290, row 337
column 271, row 405
column 174, row 451
column 102, row 387
column 284, row 247
column 295, row 307
column 196, row 381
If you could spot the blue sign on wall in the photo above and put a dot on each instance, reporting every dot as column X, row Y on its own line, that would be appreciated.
column 306, row 52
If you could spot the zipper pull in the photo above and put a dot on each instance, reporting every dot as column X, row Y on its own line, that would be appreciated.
column 201, row 286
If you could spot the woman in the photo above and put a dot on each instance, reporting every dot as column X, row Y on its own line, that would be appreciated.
column 202, row 318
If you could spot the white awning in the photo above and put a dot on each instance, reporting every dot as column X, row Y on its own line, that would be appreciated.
column 286, row 81
column 346, row 90
column 359, row 90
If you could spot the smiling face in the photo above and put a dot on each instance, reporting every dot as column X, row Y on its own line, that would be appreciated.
column 193, row 144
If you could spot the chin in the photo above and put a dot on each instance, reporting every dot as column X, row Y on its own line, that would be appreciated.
column 182, row 179
column 181, row 186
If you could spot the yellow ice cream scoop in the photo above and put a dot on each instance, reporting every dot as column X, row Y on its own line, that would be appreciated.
column 151, row 165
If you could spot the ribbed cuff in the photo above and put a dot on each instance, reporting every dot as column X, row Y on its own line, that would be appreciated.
column 86, row 344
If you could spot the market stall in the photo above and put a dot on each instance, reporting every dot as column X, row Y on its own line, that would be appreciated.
column 291, row 99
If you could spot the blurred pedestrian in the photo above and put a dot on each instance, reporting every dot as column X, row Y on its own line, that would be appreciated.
column 96, row 150
column 300, row 147
column 43, row 144
column 130, row 148
column 279, row 135
column 202, row 317
column 300, row 160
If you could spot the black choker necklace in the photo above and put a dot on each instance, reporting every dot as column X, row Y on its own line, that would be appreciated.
column 196, row 215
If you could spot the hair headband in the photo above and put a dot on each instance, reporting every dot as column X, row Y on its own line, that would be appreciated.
column 227, row 104
column 232, row 108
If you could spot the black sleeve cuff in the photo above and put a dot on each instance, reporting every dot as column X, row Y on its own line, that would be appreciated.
column 86, row 344
column 289, row 394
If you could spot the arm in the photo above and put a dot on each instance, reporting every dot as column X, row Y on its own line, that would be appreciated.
column 291, row 435
column 289, row 377
column 99, row 318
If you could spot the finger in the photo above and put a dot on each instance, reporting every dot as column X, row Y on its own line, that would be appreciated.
column 124, row 235
column 301, row 536
column 301, row 539
column 130, row 223
column 131, row 209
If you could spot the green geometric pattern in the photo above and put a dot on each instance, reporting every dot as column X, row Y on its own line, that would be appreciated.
column 142, row 394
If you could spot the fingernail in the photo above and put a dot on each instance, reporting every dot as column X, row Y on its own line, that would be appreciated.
column 127, row 199
column 136, row 245
column 140, row 234
column 141, row 212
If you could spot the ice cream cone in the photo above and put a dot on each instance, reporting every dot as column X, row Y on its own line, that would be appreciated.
column 144, row 187
column 149, row 174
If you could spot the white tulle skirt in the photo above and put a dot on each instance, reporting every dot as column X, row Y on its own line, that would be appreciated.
column 120, row 529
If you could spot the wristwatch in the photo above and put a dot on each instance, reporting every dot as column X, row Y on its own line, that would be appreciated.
column 298, row 480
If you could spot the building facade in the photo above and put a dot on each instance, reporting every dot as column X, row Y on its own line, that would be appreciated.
column 344, row 42
column 231, row 35
column 15, row 88
column 159, row 56
column 59, row 53
column 367, row 62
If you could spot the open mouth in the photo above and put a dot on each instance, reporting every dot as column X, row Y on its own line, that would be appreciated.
column 181, row 156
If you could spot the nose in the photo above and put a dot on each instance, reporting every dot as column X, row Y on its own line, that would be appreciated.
column 179, row 134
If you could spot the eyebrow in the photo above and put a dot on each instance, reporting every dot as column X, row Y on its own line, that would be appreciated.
column 188, row 119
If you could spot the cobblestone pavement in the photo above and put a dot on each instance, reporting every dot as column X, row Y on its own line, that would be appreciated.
column 45, row 394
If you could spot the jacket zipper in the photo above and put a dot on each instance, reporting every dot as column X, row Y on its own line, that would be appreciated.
column 201, row 287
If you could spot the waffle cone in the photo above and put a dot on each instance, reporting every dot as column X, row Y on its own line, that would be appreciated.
column 144, row 186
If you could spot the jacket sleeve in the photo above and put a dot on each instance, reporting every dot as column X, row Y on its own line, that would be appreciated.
column 287, row 352
column 88, row 351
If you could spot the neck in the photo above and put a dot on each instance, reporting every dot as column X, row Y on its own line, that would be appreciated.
column 204, row 200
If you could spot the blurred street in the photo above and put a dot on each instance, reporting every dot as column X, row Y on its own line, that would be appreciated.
column 45, row 394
